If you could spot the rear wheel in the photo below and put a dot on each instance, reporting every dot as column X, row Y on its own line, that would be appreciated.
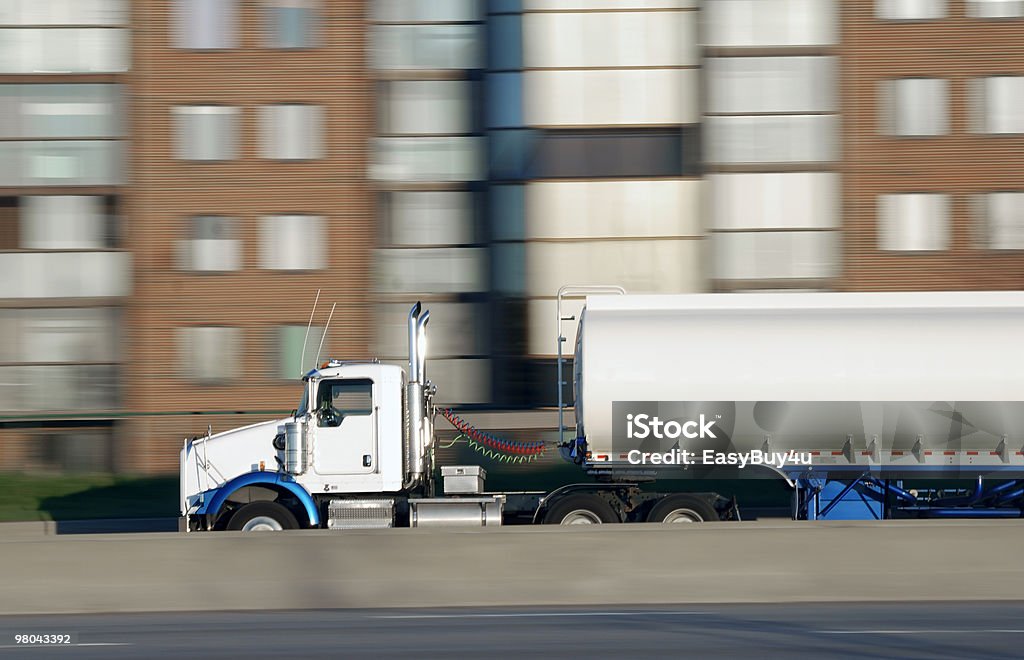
column 580, row 510
column 262, row 517
column 682, row 509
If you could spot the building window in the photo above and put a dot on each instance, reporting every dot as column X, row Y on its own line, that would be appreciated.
column 995, row 8
column 212, row 246
column 910, row 10
column 998, row 104
column 60, row 111
column 291, row 132
column 206, row 132
column 1002, row 220
column 64, row 50
column 63, row 12
column 290, row 23
column 915, row 106
column 293, row 242
column 426, row 107
column 913, row 222
column 68, row 222
column 208, row 353
column 205, row 24
column 289, row 360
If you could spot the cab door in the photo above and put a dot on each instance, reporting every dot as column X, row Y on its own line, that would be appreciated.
column 346, row 426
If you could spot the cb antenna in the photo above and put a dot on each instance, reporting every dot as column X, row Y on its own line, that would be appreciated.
column 302, row 358
column 324, row 336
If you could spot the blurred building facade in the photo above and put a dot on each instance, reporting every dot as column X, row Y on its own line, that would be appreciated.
column 177, row 180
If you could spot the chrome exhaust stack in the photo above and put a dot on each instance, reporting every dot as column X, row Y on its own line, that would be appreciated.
column 414, row 394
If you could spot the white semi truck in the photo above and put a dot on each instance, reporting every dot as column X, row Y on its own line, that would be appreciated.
column 845, row 396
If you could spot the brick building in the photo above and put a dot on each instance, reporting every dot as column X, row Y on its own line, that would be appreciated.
column 179, row 177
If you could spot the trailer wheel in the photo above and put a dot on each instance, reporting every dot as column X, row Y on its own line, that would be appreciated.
column 682, row 509
column 580, row 510
column 262, row 517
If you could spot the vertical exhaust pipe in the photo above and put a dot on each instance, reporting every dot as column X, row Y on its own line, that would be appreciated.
column 414, row 316
column 414, row 398
column 421, row 346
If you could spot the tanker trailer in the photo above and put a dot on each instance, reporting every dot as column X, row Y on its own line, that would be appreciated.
column 847, row 396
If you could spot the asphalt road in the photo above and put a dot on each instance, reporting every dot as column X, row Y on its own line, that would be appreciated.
column 862, row 630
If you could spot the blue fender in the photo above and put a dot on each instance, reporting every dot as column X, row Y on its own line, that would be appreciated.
column 214, row 499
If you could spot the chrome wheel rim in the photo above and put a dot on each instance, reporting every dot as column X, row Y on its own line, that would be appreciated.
column 682, row 515
column 262, row 524
column 581, row 517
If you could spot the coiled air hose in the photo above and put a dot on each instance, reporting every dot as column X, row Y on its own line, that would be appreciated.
column 508, row 451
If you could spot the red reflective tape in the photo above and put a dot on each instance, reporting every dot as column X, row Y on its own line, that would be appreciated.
column 898, row 453
column 972, row 453
column 863, row 453
column 928, row 453
column 837, row 453
column 602, row 457
column 994, row 453
column 949, row 453
column 623, row 455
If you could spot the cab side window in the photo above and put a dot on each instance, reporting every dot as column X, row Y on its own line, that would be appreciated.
column 337, row 399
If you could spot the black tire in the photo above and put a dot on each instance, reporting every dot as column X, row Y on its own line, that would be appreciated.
column 682, row 509
column 262, row 516
column 581, row 509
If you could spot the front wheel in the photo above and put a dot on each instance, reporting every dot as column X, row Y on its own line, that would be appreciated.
column 682, row 509
column 580, row 510
column 262, row 517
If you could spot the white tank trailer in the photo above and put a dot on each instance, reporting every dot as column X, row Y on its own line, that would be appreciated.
column 846, row 395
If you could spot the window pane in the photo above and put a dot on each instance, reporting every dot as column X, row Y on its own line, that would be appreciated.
column 456, row 329
column 293, row 242
column 995, row 8
column 1002, row 104
column 60, row 163
column 69, row 335
column 435, row 159
column 766, row 255
column 429, row 218
column 913, row 222
column 289, row 360
column 291, row 132
column 205, row 24
column 435, row 11
column 65, row 274
column 209, row 354
column 212, row 245
column 63, row 12
column 55, row 222
column 915, row 106
column 426, row 47
column 431, row 270
column 426, row 107
column 291, row 23
column 771, row 84
column 206, row 132
column 910, row 10
column 738, row 23
column 69, row 110
column 773, row 139
column 63, row 50
column 1004, row 220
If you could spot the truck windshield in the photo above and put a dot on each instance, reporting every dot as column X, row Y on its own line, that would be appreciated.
column 304, row 403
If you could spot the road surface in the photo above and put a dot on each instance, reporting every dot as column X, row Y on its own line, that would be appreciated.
column 905, row 630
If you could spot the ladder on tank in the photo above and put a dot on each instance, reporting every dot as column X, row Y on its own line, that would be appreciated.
column 572, row 291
